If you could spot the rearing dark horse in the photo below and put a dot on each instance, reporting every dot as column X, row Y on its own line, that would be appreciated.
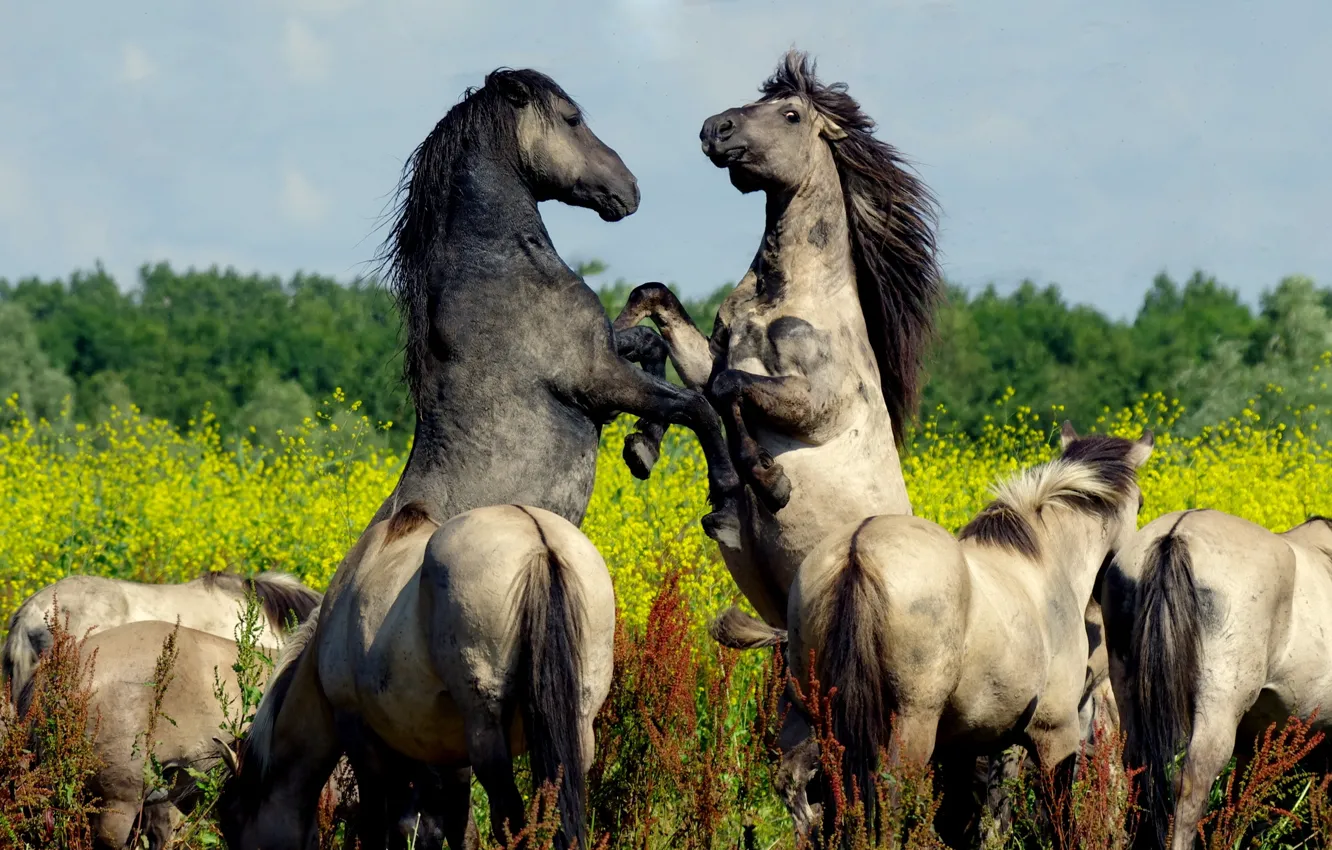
column 513, row 368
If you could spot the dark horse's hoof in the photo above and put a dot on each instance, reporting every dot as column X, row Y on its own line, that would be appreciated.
column 640, row 455
column 723, row 525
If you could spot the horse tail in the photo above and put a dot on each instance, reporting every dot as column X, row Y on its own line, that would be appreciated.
column 855, row 641
column 1165, row 653
column 27, row 640
column 735, row 629
column 551, row 637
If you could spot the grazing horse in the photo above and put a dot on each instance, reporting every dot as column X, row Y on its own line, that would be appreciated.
column 814, row 359
column 212, row 603
column 510, row 360
column 462, row 644
column 122, row 700
column 1217, row 628
column 970, row 643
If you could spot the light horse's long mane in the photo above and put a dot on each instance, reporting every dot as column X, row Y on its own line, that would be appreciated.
column 257, row 744
column 891, row 216
column 484, row 116
column 1093, row 475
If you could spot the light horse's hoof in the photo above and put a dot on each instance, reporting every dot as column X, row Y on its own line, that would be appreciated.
column 640, row 455
column 772, row 486
column 723, row 525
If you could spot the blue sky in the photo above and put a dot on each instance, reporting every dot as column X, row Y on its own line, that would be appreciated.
column 1091, row 145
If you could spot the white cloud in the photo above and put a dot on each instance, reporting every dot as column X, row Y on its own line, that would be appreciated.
column 306, row 53
column 135, row 66
column 301, row 200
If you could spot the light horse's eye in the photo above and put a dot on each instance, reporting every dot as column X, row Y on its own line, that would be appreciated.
column 792, row 117
column 573, row 120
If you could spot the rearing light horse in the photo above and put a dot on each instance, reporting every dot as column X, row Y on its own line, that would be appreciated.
column 814, row 358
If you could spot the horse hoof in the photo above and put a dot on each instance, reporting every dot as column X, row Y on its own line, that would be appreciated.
column 773, row 488
column 723, row 526
column 640, row 455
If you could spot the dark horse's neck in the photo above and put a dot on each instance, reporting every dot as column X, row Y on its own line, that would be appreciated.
column 490, row 224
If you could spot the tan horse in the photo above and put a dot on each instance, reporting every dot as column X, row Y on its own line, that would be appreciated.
column 814, row 360
column 120, row 706
column 212, row 603
column 973, row 642
column 1217, row 628
column 463, row 645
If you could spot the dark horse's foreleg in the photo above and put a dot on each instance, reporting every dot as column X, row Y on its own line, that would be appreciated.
column 787, row 402
column 643, row 446
column 619, row 387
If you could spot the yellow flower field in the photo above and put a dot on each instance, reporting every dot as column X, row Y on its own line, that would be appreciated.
column 132, row 497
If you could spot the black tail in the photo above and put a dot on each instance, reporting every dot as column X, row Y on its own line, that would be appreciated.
column 1162, row 668
column 854, row 647
column 551, row 634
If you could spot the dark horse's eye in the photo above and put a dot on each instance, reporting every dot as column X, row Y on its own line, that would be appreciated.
column 792, row 116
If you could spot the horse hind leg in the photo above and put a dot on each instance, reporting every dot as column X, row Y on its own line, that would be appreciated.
column 489, row 752
column 1210, row 748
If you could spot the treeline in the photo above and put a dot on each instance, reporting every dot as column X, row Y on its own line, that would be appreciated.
column 261, row 351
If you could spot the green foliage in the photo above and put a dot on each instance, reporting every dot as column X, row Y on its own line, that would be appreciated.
column 258, row 349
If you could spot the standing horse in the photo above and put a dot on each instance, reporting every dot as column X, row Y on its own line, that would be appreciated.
column 967, row 643
column 1216, row 628
column 212, row 603
column 496, row 641
column 513, row 368
column 814, row 358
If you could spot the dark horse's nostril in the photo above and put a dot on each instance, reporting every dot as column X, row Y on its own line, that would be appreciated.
column 724, row 129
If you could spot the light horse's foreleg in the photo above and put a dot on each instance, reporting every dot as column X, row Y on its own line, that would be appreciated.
column 689, row 349
column 616, row 386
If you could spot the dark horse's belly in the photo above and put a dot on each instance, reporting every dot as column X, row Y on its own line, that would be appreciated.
column 541, row 453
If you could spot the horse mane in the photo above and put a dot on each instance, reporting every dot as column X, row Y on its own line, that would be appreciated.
column 486, row 116
column 891, row 215
column 258, row 742
column 1093, row 475
column 282, row 595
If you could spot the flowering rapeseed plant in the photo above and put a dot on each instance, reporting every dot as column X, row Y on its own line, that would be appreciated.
column 132, row 497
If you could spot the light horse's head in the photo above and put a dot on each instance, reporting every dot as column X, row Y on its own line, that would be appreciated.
column 802, row 131
column 525, row 133
column 1114, row 462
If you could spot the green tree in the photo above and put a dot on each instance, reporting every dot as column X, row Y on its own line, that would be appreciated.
column 26, row 370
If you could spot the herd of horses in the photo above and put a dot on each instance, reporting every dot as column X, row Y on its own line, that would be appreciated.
column 472, row 621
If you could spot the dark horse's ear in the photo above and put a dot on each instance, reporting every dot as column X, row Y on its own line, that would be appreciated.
column 515, row 91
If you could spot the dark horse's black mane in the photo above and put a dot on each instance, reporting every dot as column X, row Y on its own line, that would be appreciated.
column 891, row 215
column 487, row 114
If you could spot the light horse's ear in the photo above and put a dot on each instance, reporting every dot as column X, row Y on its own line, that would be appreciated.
column 514, row 91
column 228, row 756
column 1142, row 448
column 1067, row 435
column 828, row 128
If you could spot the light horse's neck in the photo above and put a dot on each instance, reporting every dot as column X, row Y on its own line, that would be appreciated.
column 806, row 251
column 489, row 230
column 1073, row 546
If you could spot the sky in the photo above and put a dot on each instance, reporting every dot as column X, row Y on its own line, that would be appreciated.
column 1089, row 145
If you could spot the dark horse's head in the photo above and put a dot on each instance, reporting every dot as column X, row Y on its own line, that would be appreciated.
column 776, row 143
column 522, row 126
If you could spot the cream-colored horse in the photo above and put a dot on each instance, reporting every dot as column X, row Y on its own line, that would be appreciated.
column 463, row 645
column 212, row 603
column 122, row 695
column 972, row 642
column 814, row 360
column 1217, row 628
